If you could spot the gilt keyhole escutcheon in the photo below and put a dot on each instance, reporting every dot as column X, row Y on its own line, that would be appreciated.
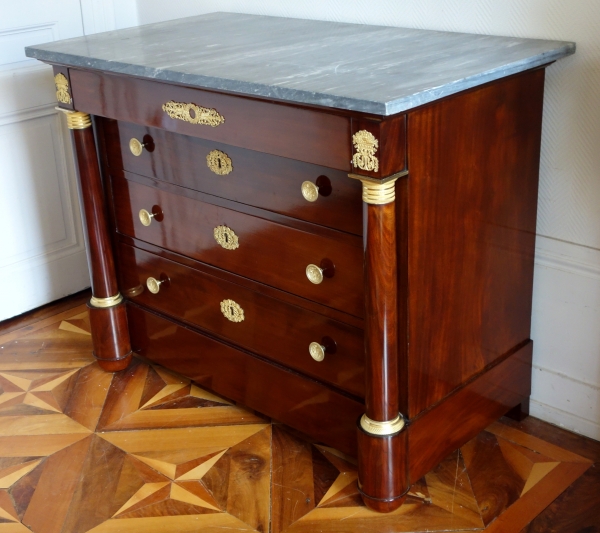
column 226, row 238
column 219, row 162
column 232, row 311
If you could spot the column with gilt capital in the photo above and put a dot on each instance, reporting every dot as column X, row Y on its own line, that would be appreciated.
column 108, row 318
column 382, row 441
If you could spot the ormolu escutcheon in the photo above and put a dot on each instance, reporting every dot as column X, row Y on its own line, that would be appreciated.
column 232, row 311
column 62, row 89
column 219, row 162
column 192, row 113
column 226, row 238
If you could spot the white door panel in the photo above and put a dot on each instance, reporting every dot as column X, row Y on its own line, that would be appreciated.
column 42, row 251
column 38, row 212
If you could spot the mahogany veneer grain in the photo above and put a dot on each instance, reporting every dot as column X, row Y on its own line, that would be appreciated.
column 109, row 324
column 443, row 280
column 262, row 180
column 392, row 136
column 270, row 328
column 286, row 130
column 305, row 404
column 472, row 201
column 273, row 254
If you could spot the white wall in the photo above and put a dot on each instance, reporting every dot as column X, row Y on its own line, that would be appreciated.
column 566, row 313
column 106, row 15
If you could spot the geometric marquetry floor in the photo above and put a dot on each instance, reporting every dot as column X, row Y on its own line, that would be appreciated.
column 146, row 450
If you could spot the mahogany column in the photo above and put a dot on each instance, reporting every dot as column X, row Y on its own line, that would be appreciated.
column 108, row 319
column 382, row 474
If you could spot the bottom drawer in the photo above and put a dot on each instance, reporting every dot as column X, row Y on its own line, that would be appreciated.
column 299, row 402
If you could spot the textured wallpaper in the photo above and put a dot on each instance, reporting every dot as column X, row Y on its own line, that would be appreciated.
column 569, row 205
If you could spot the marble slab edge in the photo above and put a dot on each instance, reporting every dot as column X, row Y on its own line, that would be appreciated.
column 286, row 94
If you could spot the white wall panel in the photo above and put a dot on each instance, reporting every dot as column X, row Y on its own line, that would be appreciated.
column 43, row 251
column 107, row 15
column 13, row 42
column 32, row 22
column 566, row 314
column 26, row 89
column 566, row 333
column 97, row 15
column 38, row 223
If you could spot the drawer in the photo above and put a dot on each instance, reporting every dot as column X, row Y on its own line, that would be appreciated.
column 254, row 178
column 256, row 248
column 318, row 137
column 261, row 324
column 307, row 405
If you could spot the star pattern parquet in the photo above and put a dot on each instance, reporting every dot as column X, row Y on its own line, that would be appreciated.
column 148, row 450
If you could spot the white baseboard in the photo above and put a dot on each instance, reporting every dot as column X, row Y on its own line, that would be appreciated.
column 36, row 284
column 566, row 335
column 566, row 402
column 567, row 256
column 565, row 420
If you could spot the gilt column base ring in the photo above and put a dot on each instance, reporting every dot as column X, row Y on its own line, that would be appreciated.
column 106, row 302
column 389, row 427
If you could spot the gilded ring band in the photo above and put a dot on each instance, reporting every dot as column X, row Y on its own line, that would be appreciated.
column 76, row 120
column 106, row 302
column 388, row 427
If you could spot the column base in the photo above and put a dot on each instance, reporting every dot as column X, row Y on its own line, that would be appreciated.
column 114, row 365
column 382, row 471
column 382, row 506
column 110, row 337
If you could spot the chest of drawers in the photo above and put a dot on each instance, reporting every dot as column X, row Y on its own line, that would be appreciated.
column 331, row 224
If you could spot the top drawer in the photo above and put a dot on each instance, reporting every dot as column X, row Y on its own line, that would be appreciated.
column 303, row 134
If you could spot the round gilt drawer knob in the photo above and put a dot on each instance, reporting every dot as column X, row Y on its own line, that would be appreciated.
column 146, row 217
column 314, row 274
column 136, row 147
column 317, row 351
column 153, row 285
column 310, row 191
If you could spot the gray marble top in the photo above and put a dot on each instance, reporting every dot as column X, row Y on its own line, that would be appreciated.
column 375, row 69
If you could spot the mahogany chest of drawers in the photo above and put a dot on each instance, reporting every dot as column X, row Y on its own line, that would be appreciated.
column 354, row 259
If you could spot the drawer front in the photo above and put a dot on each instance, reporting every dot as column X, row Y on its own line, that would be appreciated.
column 254, row 178
column 298, row 133
column 302, row 403
column 264, row 325
column 264, row 251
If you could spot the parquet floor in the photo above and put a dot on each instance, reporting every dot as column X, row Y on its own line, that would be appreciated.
column 148, row 451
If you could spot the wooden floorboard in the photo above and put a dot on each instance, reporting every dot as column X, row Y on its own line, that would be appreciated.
column 45, row 311
column 149, row 450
